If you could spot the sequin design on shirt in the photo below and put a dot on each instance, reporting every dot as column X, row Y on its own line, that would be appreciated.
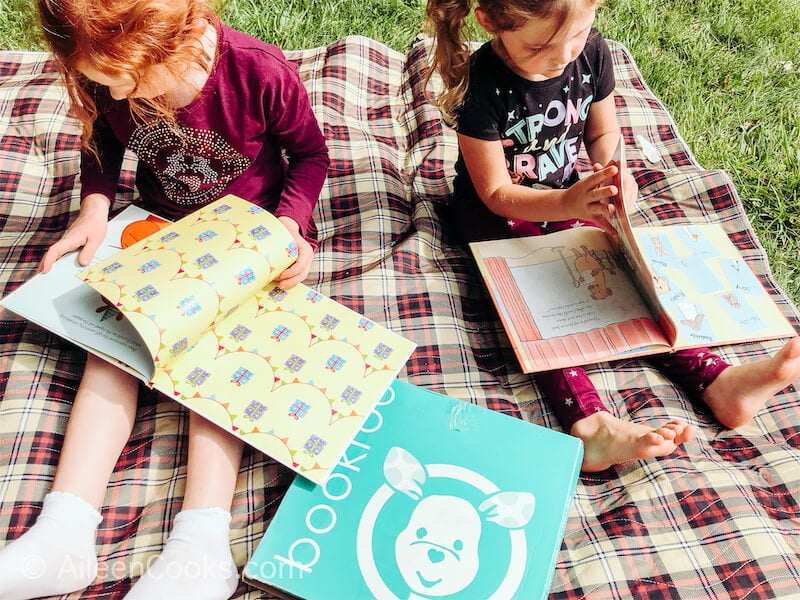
column 192, row 165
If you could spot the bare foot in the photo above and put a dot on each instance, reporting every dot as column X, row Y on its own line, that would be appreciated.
column 742, row 390
column 608, row 440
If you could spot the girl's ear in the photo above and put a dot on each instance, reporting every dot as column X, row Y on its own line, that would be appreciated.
column 484, row 21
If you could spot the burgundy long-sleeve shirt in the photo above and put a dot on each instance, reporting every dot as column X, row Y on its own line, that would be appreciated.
column 250, row 132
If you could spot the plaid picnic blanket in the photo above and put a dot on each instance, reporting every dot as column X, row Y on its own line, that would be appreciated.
column 719, row 518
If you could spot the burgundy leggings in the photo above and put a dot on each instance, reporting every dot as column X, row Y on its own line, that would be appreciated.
column 573, row 396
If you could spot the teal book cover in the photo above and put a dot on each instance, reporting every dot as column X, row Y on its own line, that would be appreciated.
column 434, row 498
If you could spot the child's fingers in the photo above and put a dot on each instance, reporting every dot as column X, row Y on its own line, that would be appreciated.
column 605, row 173
column 598, row 179
column 291, row 277
column 600, row 213
column 288, row 282
column 56, row 251
column 87, row 252
column 46, row 263
column 296, row 272
column 603, row 194
column 605, row 224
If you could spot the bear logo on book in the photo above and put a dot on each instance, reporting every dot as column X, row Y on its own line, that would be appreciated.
column 428, row 502
column 437, row 553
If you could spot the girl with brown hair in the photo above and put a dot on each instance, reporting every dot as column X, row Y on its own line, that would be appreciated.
column 523, row 105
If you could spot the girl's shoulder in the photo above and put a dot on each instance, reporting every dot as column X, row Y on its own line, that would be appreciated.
column 249, row 55
column 486, row 68
column 484, row 59
column 596, row 49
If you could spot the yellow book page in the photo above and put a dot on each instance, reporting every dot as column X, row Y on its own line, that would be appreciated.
column 176, row 283
column 292, row 372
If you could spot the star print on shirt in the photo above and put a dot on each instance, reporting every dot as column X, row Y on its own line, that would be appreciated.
column 566, row 89
column 587, row 78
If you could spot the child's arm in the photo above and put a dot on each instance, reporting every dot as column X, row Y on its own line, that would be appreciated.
column 587, row 199
column 601, row 137
column 99, row 176
column 602, row 131
column 293, row 125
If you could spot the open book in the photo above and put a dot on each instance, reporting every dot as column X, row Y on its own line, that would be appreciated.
column 580, row 296
column 190, row 310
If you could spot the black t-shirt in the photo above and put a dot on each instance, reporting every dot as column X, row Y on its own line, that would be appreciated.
column 540, row 123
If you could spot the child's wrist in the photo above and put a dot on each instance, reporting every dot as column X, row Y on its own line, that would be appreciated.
column 289, row 223
column 95, row 203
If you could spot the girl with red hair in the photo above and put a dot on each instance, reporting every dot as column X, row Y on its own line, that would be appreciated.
column 207, row 111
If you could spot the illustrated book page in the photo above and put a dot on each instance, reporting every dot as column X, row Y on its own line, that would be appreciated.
column 695, row 281
column 60, row 302
column 450, row 511
column 292, row 372
column 566, row 299
column 706, row 291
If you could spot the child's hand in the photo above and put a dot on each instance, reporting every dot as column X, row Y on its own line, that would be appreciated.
column 298, row 271
column 87, row 232
column 630, row 188
column 591, row 198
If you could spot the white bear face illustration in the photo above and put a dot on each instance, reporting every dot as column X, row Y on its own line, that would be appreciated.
column 437, row 552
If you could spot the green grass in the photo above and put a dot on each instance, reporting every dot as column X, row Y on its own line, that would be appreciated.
column 297, row 24
column 18, row 26
column 728, row 71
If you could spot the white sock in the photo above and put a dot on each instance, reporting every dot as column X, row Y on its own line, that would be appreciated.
column 55, row 556
column 195, row 563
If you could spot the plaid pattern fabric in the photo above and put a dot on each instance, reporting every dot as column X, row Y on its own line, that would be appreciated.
column 716, row 519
